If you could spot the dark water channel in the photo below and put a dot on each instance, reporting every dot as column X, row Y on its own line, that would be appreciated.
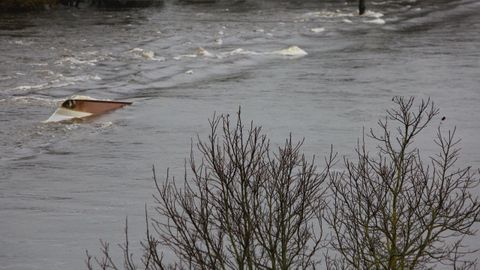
column 64, row 186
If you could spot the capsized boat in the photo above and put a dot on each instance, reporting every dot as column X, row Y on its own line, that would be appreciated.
column 78, row 107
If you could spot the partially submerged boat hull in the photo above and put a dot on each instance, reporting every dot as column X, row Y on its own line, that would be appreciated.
column 72, row 109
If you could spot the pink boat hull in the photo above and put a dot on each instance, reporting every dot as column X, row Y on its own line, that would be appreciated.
column 72, row 109
column 93, row 106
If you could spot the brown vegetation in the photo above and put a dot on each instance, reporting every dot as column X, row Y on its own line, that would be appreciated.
column 244, row 206
column 393, row 210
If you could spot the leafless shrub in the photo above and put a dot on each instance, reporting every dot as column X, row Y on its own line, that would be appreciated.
column 241, row 206
column 151, row 258
column 246, row 207
column 393, row 210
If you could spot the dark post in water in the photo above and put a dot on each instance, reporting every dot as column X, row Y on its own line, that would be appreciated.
column 361, row 7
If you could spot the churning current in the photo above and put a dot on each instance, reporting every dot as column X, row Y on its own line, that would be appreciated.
column 314, row 69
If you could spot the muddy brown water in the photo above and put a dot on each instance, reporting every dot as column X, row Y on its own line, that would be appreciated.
column 64, row 186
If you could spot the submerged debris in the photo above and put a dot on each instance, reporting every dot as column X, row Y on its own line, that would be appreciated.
column 78, row 107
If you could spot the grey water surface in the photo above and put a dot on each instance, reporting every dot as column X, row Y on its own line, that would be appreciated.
column 63, row 186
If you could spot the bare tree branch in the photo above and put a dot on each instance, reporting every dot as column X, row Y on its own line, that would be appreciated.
column 392, row 210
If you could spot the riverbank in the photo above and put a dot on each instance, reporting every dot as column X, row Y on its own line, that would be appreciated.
column 9, row 6
column 26, row 5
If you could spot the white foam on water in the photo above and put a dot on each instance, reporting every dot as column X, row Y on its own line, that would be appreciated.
column 96, row 55
column 82, row 97
column 136, row 50
column 373, row 14
column 21, row 42
column 291, row 51
column 325, row 14
column 82, row 78
column 238, row 51
column 36, row 100
column 75, row 61
column 56, row 80
column 30, row 87
column 318, row 30
column 380, row 3
column 61, row 80
column 95, row 77
column 38, row 64
column 146, row 54
column 180, row 57
column 376, row 21
column 347, row 21
column 5, row 77
column 103, row 125
column 198, row 52
column 47, row 72
column 202, row 52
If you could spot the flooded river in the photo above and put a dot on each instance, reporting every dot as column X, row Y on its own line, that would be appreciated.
column 314, row 69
